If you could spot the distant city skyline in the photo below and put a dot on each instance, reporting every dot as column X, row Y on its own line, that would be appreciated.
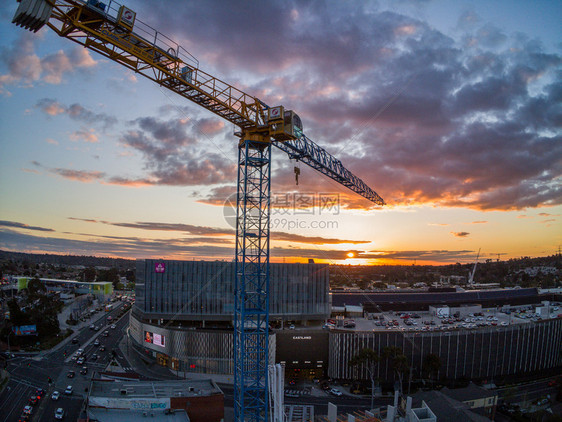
column 449, row 110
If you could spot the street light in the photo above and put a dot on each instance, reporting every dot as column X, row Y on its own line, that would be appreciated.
column 9, row 334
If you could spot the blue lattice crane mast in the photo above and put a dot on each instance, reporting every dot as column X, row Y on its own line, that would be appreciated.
column 113, row 31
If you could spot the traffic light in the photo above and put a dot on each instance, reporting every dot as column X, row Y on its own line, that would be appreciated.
column 49, row 380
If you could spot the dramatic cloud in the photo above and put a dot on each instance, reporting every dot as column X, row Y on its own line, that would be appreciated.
column 317, row 240
column 79, row 175
column 173, row 154
column 381, row 256
column 87, row 135
column 216, row 231
column 545, row 214
column 116, row 247
column 26, row 68
column 5, row 223
column 431, row 255
column 75, row 112
column 421, row 117
column 187, row 248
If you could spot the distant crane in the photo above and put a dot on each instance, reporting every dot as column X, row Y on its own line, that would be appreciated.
column 108, row 30
column 471, row 275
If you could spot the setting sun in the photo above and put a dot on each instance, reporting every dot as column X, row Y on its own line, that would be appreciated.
column 350, row 254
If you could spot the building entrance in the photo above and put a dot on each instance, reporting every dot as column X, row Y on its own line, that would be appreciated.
column 162, row 359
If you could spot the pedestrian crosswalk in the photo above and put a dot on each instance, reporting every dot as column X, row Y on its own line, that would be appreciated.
column 289, row 392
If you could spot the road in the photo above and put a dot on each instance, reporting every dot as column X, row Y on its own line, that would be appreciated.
column 29, row 372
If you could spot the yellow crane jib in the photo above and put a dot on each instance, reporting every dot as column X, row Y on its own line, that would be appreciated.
column 113, row 31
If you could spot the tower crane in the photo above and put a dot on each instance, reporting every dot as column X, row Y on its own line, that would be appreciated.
column 471, row 274
column 112, row 30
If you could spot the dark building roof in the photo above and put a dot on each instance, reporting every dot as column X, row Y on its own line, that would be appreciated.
column 433, row 298
column 446, row 408
column 470, row 392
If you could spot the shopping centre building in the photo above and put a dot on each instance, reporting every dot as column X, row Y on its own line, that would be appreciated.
column 182, row 318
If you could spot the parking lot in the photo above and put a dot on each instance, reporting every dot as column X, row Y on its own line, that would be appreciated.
column 424, row 321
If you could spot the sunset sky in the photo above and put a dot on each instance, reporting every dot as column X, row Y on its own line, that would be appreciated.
column 450, row 110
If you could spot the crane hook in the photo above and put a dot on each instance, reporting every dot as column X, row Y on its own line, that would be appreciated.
column 297, row 172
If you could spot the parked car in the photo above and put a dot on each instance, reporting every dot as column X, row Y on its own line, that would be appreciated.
column 542, row 402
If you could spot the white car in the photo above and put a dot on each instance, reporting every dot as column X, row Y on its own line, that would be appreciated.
column 68, row 390
column 59, row 413
column 55, row 395
column 113, row 326
column 336, row 392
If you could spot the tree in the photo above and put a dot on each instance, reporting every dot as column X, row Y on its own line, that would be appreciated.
column 111, row 275
column 17, row 317
column 89, row 274
column 130, row 274
column 431, row 366
column 398, row 361
column 35, row 287
column 369, row 359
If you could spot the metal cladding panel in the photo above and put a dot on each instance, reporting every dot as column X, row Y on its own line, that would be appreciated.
column 205, row 290
column 198, row 351
column 485, row 353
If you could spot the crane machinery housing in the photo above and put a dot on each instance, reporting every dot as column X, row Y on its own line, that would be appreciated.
column 112, row 30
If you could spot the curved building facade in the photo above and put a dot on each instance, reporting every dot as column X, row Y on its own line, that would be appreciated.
column 183, row 310
column 487, row 353
column 182, row 318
